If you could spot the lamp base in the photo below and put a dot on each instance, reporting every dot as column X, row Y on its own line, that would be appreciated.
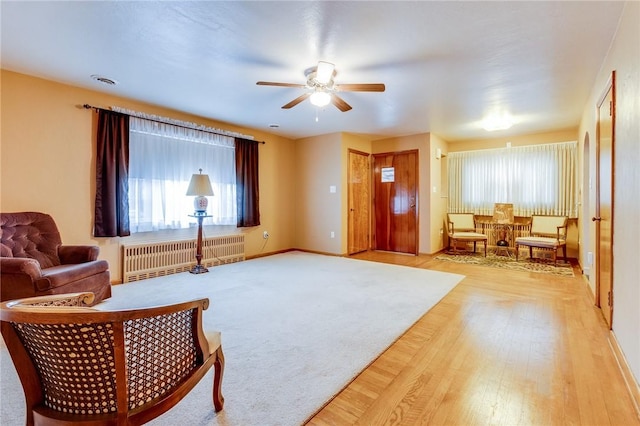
column 198, row 269
column 200, row 204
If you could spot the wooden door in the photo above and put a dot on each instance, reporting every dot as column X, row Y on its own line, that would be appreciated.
column 358, row 200
column 604, row 201
column 395, row 211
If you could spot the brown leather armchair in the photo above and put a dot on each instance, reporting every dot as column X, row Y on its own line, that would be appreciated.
column 33, row 261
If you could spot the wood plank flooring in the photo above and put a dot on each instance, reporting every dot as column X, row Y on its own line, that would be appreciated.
column 502, row 348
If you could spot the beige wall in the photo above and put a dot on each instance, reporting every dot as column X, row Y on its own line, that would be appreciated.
column 566, row 135
column 318, row 212
column 624, row 58
column 48, row 148
column 438, row 193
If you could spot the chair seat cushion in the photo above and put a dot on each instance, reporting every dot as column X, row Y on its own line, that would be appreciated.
column 63, row 274
column 543, row 242
column 468, row 236
column 213, row 337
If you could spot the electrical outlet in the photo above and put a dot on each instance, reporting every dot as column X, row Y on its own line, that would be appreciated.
column 333, row 234
column 265, row 235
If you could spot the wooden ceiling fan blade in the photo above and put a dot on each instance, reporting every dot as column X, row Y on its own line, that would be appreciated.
column 363, row 87
column 296, row 101
column 340, row 103
column 271, row 83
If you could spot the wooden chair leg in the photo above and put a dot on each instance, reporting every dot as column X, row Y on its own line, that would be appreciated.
column 530, row 252
column 218, row 366
column 516, row 252
column 474, row 246
column 485, row 248
column 564, row 253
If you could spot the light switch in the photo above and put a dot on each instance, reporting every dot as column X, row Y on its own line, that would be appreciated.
column 332, row 189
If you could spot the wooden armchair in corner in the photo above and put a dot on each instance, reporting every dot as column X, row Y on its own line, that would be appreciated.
column 546, row 233
column 461, row 227
column 79, row 364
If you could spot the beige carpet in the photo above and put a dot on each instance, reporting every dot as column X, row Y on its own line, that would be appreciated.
column 296, row 328
column 525, row 264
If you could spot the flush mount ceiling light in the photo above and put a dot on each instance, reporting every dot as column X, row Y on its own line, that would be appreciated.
column 104, row 80
column 500, row 121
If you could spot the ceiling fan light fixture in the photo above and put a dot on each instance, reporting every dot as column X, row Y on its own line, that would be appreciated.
column 324, row 72
column 320, row 98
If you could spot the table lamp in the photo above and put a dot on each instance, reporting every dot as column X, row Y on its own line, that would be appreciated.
column 200, row 186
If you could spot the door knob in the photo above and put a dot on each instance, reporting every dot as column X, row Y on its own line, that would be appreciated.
column 596, row 219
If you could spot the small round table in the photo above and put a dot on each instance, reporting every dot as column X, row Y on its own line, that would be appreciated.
column 503, row 234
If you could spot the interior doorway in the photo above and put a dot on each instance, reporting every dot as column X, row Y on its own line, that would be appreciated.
column 605, row 139
column 359, row 201
column 395, row 192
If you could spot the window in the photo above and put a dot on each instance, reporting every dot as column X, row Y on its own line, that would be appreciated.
column 536, row 179
column 162, row 158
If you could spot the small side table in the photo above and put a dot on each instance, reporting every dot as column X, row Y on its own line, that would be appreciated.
column 503, row 234
column 198, row 268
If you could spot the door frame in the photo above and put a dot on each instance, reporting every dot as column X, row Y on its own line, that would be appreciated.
column 367, row 205
column 609, row 87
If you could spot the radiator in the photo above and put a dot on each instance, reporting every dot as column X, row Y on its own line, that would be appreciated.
column 149, row 260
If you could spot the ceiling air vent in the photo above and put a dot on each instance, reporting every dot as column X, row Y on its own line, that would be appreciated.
column 104, row 80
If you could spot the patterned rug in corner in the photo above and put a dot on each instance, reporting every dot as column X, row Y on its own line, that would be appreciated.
column 526, row 264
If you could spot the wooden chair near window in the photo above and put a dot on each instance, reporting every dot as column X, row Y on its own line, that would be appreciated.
column 461, row 227
column 79, row 364
column 545, row 233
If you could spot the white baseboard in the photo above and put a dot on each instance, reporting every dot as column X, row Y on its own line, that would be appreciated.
column 629, row 379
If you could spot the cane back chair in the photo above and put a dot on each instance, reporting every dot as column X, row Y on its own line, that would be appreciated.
column 82, row 365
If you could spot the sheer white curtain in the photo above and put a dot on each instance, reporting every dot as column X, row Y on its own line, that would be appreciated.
column 537, row 179
column 162, row 158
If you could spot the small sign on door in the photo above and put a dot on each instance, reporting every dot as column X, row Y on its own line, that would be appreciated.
column 387, row 174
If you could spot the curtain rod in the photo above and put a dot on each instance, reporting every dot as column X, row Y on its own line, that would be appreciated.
column 222, row 133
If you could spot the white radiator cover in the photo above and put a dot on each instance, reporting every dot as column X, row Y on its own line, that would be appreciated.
column 154, row 259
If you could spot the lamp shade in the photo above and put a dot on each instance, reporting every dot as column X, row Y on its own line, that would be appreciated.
column 200, row 185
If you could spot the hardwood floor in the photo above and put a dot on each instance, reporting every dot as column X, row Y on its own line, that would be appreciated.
column 502, row 348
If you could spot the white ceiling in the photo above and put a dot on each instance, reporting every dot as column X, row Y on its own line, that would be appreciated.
column 444, row 64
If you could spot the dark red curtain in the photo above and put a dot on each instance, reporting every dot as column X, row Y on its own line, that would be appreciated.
column 112, row 174
column 247, row 188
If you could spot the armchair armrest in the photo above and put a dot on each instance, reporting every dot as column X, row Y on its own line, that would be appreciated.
column 60, row 303
column 562, row 236
column 21, row 266
column 77, row 254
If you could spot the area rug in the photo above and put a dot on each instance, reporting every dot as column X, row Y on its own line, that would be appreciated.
column 296, row 328
column 543, row 266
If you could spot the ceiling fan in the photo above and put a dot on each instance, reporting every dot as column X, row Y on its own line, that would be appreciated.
column 321, row 89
